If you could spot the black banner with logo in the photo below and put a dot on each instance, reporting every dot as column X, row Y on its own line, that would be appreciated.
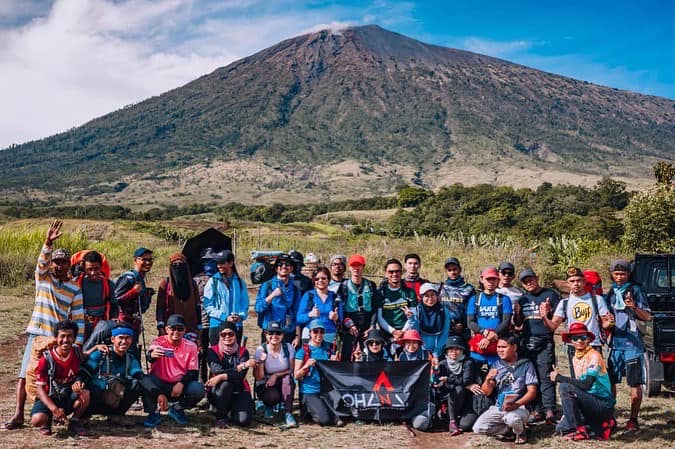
column 381, row 391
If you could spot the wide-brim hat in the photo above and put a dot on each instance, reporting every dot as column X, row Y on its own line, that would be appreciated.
column 455, row 341
column 577, row 329
column 374, row 335
column 411, row 335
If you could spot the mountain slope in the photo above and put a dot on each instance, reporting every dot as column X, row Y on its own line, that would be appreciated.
column 362, row 94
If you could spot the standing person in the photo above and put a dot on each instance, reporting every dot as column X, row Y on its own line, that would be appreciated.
column 586, row 397
column 489, row 316
column 97, row 291
column 430, row 319
column 228, row 390
column 302, row 282
column 56, row 298
column 514, row 381
column 225, row 297
column 307, row 372
column 338, row 266
column 454, row 295
column 628, row 304
column 132, row 295
column 320, row 303
column 177, row 294
column 273, row 373
column 113, row 362
column 173, row 375
column 507, row 273
column 537, row 344
column 398, row 302
column 278, row 300
column 208, row 269
column 60, row 390
column 578, row 307
column 360, row 301
column 412, row 279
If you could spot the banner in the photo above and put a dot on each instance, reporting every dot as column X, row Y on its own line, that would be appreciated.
column 381, row 391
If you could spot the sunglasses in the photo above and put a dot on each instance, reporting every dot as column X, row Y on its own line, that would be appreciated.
column 321, row 279
column 227, row 334
column 176, row 328
column 284, row 264
column 374, row 343
column 272, row 333
column 507, row 273
column 579, row 337
column 318, row 331
column 394, row 271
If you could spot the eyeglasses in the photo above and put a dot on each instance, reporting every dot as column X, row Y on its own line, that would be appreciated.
column 393, row 271
column 579, row 337
column 285, row 264
column 176, row 328
column 274, row 333
column 146, row 259
column 318, row 331
column 374, row 343
column 321, row 278
column 227, row 334
column 337, row 264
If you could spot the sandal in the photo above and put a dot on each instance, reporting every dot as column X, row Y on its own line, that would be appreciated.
column 520, row 439
column 11, row 425
column 46, row 430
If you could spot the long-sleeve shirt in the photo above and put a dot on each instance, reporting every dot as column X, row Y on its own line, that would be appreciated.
column 54, row 300
column 223, row 297
column 282, row 308
column 311, row 298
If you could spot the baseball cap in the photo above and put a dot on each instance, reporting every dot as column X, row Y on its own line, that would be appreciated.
column 428, row 286
column 357, row 259
column 527, row 272
column 61, row 254
column 617, row 265
column 140, row 251
column 574, row 272
column 452, row 260
column 489, row 272
column 506, row 266
column 175, row 320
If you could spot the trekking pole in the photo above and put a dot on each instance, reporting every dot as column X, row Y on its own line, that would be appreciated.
column 140, row 314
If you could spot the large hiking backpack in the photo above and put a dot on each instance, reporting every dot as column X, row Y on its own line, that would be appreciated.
column 55, row 391
column 40, row 345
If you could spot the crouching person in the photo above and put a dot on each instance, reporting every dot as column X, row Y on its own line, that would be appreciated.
column 173, row 375
column 113, row 375
column 60, row 390
column 514, row 381
column 228, row 391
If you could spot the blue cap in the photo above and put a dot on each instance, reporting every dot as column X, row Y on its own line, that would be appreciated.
column 141, row 250
column 316, row 324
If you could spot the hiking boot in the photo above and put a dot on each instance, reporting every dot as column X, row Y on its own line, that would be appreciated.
column 290, row 420
column 535, row 418
column 580, row 434
column 631, row 427
column 178, row 415
column 269, row 412
column 76, row 428
column 453, row 428
column 153, row 420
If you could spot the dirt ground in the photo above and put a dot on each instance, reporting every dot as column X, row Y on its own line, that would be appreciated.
column 657, row 417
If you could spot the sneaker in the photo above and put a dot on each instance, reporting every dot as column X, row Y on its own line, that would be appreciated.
column 221, row 423
column 290, row 420
column 454, row 429
column 580, row 434
column 178, row 415
column 269, row 412
column 339, row 422
column 76, row 428
column 153, row 420
column 535, row 418
column 443, row 411
column 259, row 407
column 631, row 427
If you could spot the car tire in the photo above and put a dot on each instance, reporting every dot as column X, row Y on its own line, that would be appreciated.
column 651, row 387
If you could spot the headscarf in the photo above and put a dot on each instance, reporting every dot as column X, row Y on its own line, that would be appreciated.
column 222, row 347
column 431, row 319
column 180, row 280
column 455, row 366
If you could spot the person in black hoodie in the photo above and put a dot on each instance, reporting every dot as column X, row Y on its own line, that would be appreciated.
column 457, row 379
column 374, row 349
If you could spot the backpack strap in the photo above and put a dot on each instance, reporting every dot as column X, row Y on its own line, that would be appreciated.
column 51, row 366
column 310, row 300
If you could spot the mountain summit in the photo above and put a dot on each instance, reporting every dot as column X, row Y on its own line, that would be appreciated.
column 362, row 103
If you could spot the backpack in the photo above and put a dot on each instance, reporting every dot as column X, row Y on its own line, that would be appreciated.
column 500, row 300
column 287, row 352
column 261, row 271
column 604, row 333
column 115, row 386
column 40, row 345
column 55, row 390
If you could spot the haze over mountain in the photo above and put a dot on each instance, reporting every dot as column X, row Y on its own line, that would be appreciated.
column 344, row 113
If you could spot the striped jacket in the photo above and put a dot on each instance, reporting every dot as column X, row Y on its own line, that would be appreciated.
column 54, row 300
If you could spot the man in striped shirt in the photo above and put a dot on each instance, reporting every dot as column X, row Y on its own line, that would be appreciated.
column 57, row 298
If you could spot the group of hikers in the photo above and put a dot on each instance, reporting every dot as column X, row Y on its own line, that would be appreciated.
column 491, row 350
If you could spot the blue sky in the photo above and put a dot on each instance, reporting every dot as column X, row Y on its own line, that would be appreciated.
column 65, row 62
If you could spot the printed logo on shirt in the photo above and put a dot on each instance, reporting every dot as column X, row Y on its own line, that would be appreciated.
column 581, row 312
column 489, row 311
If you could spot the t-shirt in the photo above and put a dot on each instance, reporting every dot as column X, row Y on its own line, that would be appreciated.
column 454, row 296
column 172, row 369
column 626, row 335
column 592, row 364
column 65, row 370
column 529, row 304
column 391, row 315
column 487, row 313
column 580, row 310
column 118, row 367
column 512, row 292
column 275, row 363
column 311, row 383
column 514, row 379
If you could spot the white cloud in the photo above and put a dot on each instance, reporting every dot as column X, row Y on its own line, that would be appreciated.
column 497, row 49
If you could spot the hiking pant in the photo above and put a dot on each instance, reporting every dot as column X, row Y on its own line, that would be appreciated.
column 543, row 359
column 581, row 408
column 193, row 392
column 317, row 408
column 233, row 402
column 283, row 390
column 497, row 422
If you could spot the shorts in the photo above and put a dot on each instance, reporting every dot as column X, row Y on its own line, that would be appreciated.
column 629, row 363
column 26, row 356
column 67, row 404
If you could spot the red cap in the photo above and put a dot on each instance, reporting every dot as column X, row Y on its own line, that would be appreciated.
column 489, row 272
column 356, row 259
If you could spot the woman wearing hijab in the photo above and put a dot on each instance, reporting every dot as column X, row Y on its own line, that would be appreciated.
column 177, row 294
column 228, row 391
column 225, row 297
column 430, row 320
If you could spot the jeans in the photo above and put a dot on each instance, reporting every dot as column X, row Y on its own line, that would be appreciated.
column 581, row 408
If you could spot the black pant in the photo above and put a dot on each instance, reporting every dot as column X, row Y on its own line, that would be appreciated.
column 98, row 407
column 581, row 408
column 231, row 401
column 317, row 409
column 542, row 356
column 193, row 392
